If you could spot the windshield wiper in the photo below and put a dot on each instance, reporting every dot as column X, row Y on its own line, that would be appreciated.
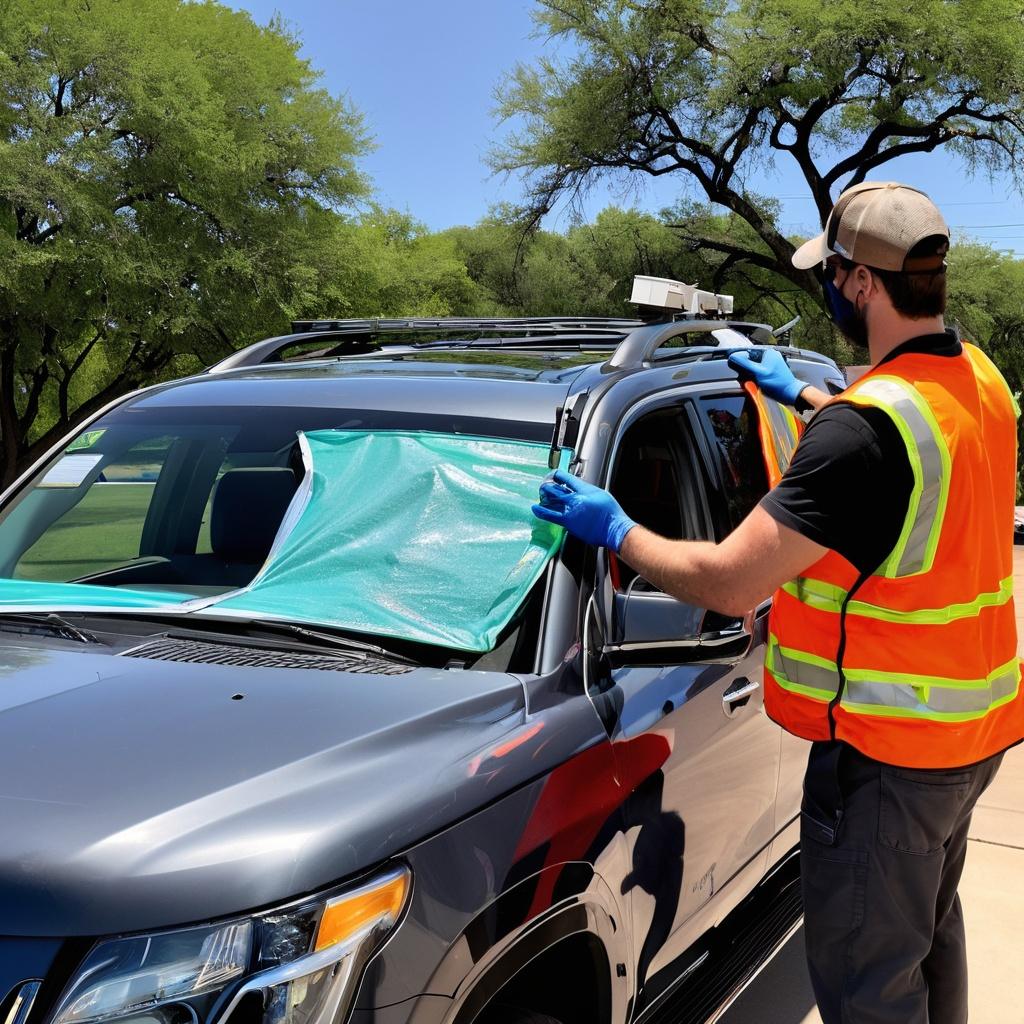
column 54, row 624
column 330, row 639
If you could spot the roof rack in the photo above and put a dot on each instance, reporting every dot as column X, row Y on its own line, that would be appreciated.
column 357, row 337
column 457, row 323
column 633, row 343
column 639, row 348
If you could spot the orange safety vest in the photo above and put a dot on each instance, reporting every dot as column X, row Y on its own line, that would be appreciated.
column 915, row 664
column 779, row 429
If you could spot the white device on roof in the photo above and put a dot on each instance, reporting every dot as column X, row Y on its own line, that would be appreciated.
column 687, row 298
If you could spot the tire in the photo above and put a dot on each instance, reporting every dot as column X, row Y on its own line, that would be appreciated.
column 505, row 1013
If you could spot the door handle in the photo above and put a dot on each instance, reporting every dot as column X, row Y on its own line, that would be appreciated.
column 719, row 637
column 739, row 693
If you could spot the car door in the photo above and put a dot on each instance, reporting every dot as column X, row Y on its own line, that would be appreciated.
column 689, row 679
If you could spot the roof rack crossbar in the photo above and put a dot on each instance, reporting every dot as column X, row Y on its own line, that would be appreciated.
column 269, row 349
column 639, row 347
column 398, row 324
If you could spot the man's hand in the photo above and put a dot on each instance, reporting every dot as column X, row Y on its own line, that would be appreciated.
column 769, row 371
column 586, row 511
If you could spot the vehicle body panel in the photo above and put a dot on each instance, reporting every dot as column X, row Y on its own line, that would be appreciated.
column 181, row 804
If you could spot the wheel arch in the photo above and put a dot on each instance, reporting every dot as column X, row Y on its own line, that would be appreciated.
column 560, row 966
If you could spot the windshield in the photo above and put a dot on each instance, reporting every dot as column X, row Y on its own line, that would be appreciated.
column 184, row 507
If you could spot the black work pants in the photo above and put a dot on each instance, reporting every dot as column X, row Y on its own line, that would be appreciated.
column 881, row 854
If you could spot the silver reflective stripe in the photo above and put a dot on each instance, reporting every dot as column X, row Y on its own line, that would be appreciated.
column 802, row 672
column 912, row 558
column 928, row 699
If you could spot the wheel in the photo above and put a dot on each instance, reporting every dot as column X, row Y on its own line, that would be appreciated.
column 506, row 1013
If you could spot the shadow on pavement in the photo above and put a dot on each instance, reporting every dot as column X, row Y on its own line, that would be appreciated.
column 781, row 993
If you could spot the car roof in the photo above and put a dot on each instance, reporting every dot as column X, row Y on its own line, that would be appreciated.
column 518, row 371
column 413, row 398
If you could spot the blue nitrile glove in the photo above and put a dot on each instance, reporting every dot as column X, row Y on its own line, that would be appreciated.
column 586, row 511
column 769, row 371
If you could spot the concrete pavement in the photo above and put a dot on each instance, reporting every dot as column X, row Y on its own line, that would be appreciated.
column 992, row 892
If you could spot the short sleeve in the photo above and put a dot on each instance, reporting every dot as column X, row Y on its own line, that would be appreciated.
column 848, row 486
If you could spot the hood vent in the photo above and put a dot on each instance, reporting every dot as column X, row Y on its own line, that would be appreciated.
column 197, row 652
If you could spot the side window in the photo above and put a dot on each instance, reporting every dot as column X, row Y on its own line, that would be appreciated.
column 740, row 461
column 653, row 479
column 104, row 527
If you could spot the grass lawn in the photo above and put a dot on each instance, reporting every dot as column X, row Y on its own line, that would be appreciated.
column 104, row 529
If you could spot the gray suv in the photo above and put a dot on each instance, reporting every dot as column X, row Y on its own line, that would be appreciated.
column 270, row 819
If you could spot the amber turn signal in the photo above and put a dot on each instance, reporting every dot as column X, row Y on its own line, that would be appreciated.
column 346, row 915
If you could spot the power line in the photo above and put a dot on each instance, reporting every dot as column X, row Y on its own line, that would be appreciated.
column 938, row 202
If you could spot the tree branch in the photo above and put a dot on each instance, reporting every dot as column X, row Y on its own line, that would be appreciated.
column 69, row 372
column 889, row 129
column 734, row 252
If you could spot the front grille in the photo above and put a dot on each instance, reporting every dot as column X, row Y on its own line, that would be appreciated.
column 198, row 652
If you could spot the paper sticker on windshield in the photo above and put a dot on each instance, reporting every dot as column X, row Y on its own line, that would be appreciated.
column 70, row 471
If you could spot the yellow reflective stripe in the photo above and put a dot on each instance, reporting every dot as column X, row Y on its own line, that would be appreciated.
column 825, row 597
column 917, row 681
column 802, row 673
column 936, row 716
column 787, row 425
column 783, row 433
column 900, row 694
column 829, row 598
column 930, row 462
column 1003, row 691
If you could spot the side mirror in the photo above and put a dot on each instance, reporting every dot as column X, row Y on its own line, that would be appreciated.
column 649, row 627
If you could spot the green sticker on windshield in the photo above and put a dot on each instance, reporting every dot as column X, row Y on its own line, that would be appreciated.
column 86, row 440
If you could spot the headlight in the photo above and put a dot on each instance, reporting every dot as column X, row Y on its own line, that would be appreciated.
column 299, row 965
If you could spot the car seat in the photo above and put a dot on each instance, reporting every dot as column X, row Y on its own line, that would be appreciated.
column 247, row 509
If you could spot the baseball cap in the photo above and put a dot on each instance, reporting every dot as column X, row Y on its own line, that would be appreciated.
column 876, row 223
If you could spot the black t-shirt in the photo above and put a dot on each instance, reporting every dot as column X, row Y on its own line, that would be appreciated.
column 849, row 484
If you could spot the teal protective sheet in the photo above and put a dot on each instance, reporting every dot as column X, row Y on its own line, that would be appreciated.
column 40, row 594
column 421, row 536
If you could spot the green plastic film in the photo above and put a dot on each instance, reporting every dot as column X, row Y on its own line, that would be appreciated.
column 422, row 536
column 29, row 594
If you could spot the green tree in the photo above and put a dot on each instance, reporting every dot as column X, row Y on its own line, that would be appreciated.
column 715, row 91
column 587, row 271
column 172, row 183
column 986, row 300
column 400, row 269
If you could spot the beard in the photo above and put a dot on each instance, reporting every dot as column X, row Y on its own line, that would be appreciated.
column 855, row 329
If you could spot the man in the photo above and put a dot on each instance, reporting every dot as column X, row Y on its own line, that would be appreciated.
column 888, row 547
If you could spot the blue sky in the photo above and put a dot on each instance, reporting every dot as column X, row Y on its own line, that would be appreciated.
column 423, row 74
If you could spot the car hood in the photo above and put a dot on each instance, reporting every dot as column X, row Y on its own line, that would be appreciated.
column 136, row 794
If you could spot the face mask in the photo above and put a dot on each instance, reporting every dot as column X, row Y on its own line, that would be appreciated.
column 845, row 315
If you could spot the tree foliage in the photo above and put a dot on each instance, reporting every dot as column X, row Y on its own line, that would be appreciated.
column 171, row 179
column 986, row 300
column 713, row 91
